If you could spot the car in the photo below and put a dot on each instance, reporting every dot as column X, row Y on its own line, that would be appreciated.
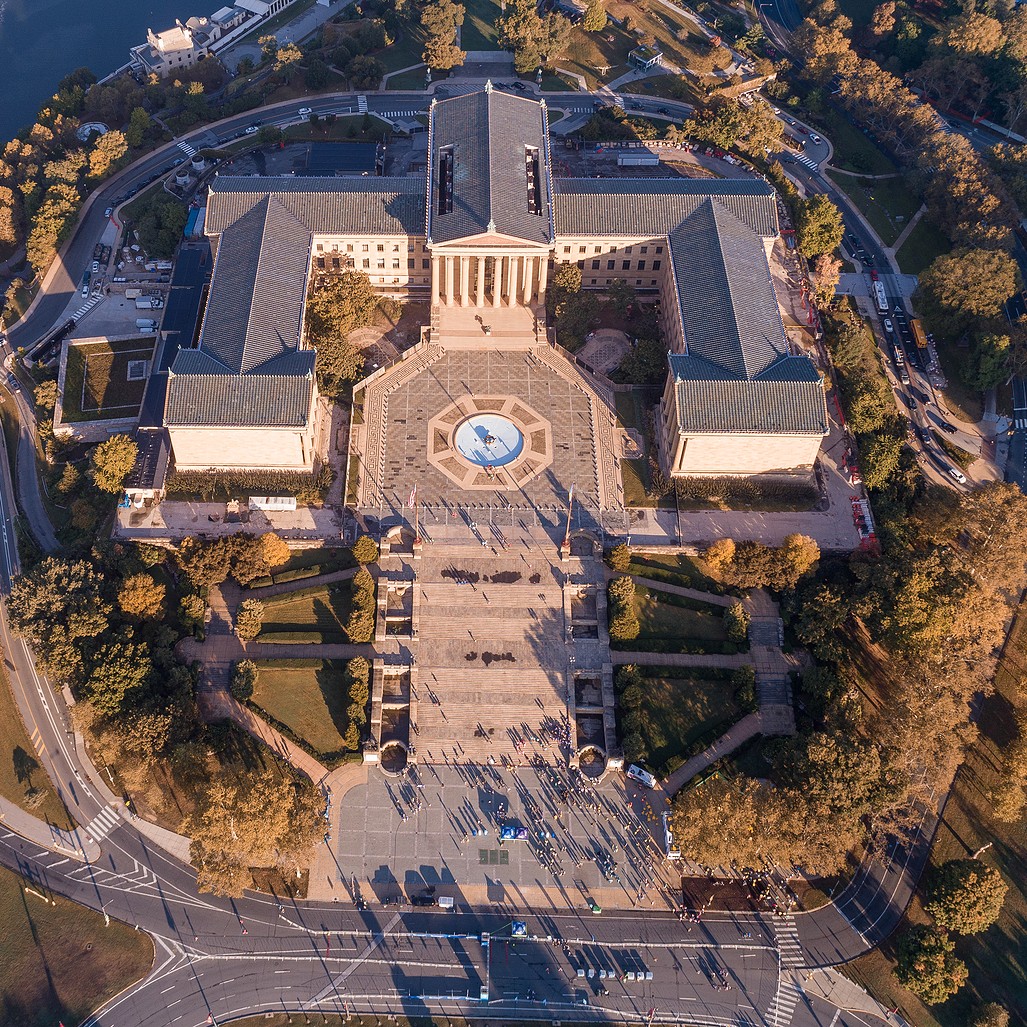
column 95, row 267
column 867, row 260
column 305, row 111
column 519, row 85
column 776, row 110
column 250, row 129
column 873, row 275
column 925, row 435
column 177, row 161
column 920, row 395
column 13, row 382
column 888, row 326
column 956, row 474
column 664, row 111
column 107, row 213
column 949, row 429
column 814, row 137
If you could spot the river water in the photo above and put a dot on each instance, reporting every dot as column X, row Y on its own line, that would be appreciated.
column 42, row 40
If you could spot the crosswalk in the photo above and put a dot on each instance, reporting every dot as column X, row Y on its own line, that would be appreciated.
column 361, row 104
column 783, row 1007
column 188, row 150
column 806, row 162
column 411, row 113
column 102, row 824
column 1020, row 423
column 787, row 937
column 86, row 307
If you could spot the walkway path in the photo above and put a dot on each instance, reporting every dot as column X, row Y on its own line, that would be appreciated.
column 619, row 658
column 284, row 587
column 688, row 593
column 913, row 222
column 748, row 727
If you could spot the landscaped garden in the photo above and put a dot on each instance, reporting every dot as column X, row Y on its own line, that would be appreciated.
column 887, row 203
column 669, row 714
column 105, row 379
column 667, row 617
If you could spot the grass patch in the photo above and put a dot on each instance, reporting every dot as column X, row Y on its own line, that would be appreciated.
column 887, row 203
column 674, row 87
column 673, row 569
column 352, row 128
column 307, row 696
column 96, row 383
column 407, row 81
column 663, row 615
column 966, row 403
column 60, row 962
column 323, row 610
column 924, row 244
column 405, row 51
column 324, row 558
column 19, row 303
column 629, row 411
column 599, row 57
column 853, row 149
column 130, row 212
column 479, row 31
column 958, row 456
column 22, row 779
column 680, row 716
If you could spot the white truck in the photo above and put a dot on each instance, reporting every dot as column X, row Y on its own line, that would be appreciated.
column 144, row 323
column 149, row 303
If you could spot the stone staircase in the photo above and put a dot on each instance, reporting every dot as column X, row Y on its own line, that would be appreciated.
column 773, row 685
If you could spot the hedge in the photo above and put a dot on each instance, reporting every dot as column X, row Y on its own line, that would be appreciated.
column 297, row 573
column 693, row 647
column 291, row 636
column 329, row 759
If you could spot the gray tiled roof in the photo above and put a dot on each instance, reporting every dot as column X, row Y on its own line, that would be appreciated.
column 377, row 206
column 654, row 206
column 489, row 132
column 255, row 309
column 787, row 398
column 242, row 400
column 728, row 308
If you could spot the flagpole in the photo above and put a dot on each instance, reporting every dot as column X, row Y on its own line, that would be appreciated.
column 565, row 548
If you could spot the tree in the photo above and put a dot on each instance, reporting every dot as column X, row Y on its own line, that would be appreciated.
column 826, row 274
column 720, row 554
column 365, row 72
column 523, row 30
column 595, row 16
column 989, row 1014
column 576, row 317
column 736, row 622
column 819, row 226
column 112, row 461
column 160, row 225
column 440, row 20
column 336, row 307
column 974, row 33
column 966, row 895
column 1007, row 801
column 249, row 619
column 987, row 364
column 361, row 622
column 287, row 61
column 620, row 296
column 141, row 597
column 204, row 564
column 882, row 24
column 138, row 127
column 119, row 673
column 106, row 152
column 970, row 282
column 365, row 550
column 268, row 46
column 274, row 549
column 69, row 480
column 46, row 395
column 623, row 619
column 244, row 679
column 927, row 965
column 619, row 557
column 317, row 76
column 266, row 819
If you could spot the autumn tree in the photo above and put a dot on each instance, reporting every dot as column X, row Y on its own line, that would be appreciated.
column 249, row 619
column 594, row 19
column 112, row 461
column 243, row 680
column 970, row 283
column 928, row 966
column 882, row 24
column 623, row 619
column 827, row 271
column 532, row 37
column 274, row 549
column 973, row 33
column 440, row 20
column 336, row 306
column 365, row 550
column 720, row 554
column 106, row 152
column 966, row 896
column 141, row 597
column 989, row 1014
column 203, row 564
column 265, row 819
column 619, row 558
column 287, row 61
column 819, row 226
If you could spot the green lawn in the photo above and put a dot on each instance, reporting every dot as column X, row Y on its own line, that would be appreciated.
column 887, row 203
column 672, row 569
column 680, row 716
column 405, row 52
column 923, row 245
column 320, row 609
column 324, row 558
column 342, row 130
column 853, row 149
column 59, row 961
column 600, row 57
column 19, row 304
column 309, row 697
column 964, row 402
column 663, row 615
column 96, row 382
column 22, row 779
column 479, row 31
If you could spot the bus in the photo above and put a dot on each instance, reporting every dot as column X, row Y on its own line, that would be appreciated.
column 881, row 297
column 918, row 333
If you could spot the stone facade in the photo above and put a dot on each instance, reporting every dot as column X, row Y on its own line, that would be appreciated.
column 235, row 449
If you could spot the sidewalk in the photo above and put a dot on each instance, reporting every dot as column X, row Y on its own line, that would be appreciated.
column 836, row 988
column 748, row 727
column 76, row 844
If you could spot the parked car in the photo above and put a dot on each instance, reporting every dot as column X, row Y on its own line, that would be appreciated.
column 107, row 213
column 921, row 395
column 814, row 137
column 874, row 276
column 957, row 475
column 305, row 111
column 95, row 267
column 949, row 429
column 867, row 260
column 888, row 326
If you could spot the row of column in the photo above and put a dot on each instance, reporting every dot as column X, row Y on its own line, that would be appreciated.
column 515, row 279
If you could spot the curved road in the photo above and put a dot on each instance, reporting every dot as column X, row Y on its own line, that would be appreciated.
column 229, row 957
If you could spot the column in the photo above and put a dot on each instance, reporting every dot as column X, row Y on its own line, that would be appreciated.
column 511, row 281
column 528, row 283
column 497, row 282
column 436, row 271
column 465, row 281
column 448, row 264
column 543, row 273
column 479, row 292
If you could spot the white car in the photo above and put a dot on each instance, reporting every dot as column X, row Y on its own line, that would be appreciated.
column 814, row 138
column 107, row 213
column 888, row 326
column 250, row 130
column 958, row 475
column 305, row 111
column 96, row 267
column 776, row 110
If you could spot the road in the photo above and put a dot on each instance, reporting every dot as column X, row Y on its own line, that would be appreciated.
column 225, row 958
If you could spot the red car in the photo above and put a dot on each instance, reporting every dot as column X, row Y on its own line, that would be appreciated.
column 873, row 274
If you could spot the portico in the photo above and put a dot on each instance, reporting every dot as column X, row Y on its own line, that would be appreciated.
column 469, row 277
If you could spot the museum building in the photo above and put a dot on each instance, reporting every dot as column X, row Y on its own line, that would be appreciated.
column 483, row 228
